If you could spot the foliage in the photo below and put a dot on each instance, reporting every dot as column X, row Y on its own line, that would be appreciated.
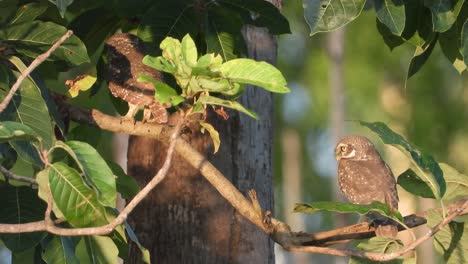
column 421, row 24
column 65, row 158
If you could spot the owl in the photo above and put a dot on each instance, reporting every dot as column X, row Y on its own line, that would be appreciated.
column 364, row 177
column 125, row 53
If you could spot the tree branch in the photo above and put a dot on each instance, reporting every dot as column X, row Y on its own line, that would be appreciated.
column 36, row 62
column 48, row 225
column 278, row 231
column 11, row 176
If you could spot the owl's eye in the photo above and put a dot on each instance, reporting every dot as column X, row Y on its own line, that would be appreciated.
column 343, row 148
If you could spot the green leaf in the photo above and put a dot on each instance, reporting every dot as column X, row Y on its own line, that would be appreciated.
column 213, row 134
column 164, row 93
column 95, row 169
column 16, row 131
column 329, row 15
column 189, row 50
column 28, row 12
column 378, row 245
column 27, row 152
column 60, row 249
column 457, row 183
column 8, row 155
column 259, row 13
column 452, row 240
column 42, row 179
column 392, row 14
column 126, row 185
column 340, row 207
column 391, row 40
column 159, row 63
column 144, row 252
column 429, row 169
column 444, row 13
column 34, row 38
column 411, row 182
column 97, row 250
column 20, row 205
column 258, row 73
column 29, row 108
column 418, row 60
column 85, row 77
column 7, row 10
column 168, row 18
column 77, row 201
column 226, row 103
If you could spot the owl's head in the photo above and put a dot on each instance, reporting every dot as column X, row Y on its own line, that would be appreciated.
column 355, row 148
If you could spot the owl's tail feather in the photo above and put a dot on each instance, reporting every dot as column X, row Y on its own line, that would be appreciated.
column 388, row 231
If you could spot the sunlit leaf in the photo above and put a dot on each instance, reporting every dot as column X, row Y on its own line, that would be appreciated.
column 95, row 168
column 20, row 205
column 189, row 50
column 164, row 93
column 258, row 73
column 392, row 14
column 213, row 134
column 430, row 170
column 452, row 240
column 340, row 207
column 97, row 250
column 77, row 201
column 86, row 76
column 329, row 15
column 210, row 100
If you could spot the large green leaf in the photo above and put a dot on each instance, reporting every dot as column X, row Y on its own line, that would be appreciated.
column 28, row 12
column 20, row 205
column 95, row 169
column 428, row 167
column 340, row 207
column 36, row 37
column 226, row 103
column 164, row 93
column 329, row 15
column 27, row 152
column 258, row 73
column 78, row 202
column 457, row 183
column 42, row 179
column 168, row 18
column 452, row 240
column 444, row 13
column 60, row 249
column 97, row 250
column 16, row 131
column 29, row 108
column 392, row 14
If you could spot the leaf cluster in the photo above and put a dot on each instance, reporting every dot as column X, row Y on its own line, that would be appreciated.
column 421, row 24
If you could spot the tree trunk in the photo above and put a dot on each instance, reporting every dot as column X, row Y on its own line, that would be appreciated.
column 185, row 220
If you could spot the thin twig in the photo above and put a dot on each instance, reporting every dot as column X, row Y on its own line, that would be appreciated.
column 36, row 62
column 10, row 175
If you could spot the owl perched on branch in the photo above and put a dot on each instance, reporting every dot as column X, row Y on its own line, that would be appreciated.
column 364, row 177
column 125, row 53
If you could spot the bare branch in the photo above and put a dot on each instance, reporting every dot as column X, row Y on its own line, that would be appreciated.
column 36, row 62
column 11, row 176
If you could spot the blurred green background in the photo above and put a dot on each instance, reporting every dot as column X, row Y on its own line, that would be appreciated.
column 429, row 110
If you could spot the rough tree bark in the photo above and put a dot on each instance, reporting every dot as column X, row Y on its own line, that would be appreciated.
column 185, row 220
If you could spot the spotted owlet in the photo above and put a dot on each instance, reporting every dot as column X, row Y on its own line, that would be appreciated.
column 364, row 177
column 125, row 53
